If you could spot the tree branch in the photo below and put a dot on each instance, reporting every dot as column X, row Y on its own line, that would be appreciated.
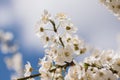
column 31, row 76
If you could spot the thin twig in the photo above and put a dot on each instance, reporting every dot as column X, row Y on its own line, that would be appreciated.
column 54, row 26
column 61, row 41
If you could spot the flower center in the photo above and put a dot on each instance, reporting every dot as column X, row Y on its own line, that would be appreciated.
column 68, row 28
column 47, row 38
column 118, row 6
column 41, row 29
column 66, row 54
column 31, row 69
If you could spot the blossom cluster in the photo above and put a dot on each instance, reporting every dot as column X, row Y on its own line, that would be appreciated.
column 58, row 36
column 13, row 62
column 62, row 46
column 100, row 65
column 112, row 5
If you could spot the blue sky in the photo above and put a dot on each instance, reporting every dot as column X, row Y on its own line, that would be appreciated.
column 97, row 26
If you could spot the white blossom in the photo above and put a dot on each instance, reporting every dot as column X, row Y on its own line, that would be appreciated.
column 112, row 5
column 104, row 74
column 116, row 64
column 68, row 53
column 107, row 56
column 59, row 57
column 45, row 17
column 46, row 63
column 39, row 29
column 74, row 73
column 61, row 16
column 45, row 75
column 28, row 69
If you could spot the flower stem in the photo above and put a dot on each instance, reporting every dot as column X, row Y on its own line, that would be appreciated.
column 54, row 27
column 55, row 30
column 61, row 41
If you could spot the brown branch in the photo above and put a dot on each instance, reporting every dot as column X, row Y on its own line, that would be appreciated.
column 63, row 66
column 31, row 76
column 57, row 66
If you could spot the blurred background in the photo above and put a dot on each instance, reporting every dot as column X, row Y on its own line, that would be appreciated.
column 97, row 26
